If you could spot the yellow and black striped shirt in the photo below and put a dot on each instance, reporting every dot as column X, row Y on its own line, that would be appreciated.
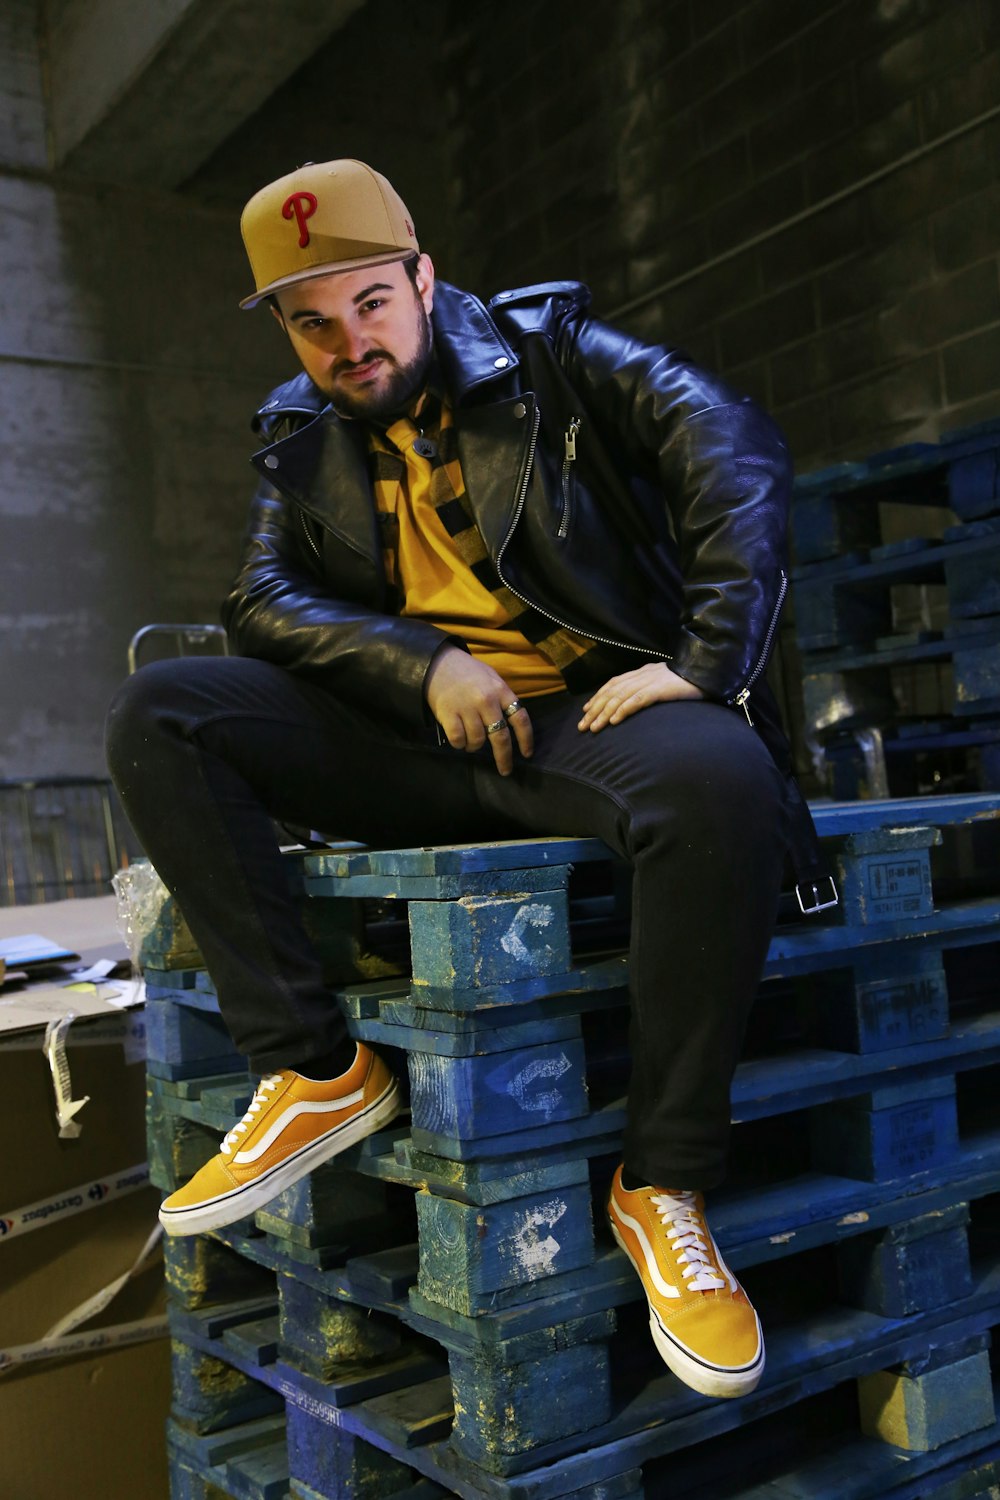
column 438, row 568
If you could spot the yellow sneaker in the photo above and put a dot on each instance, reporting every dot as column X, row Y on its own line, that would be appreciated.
column 700, row 1317
column 292, row 1125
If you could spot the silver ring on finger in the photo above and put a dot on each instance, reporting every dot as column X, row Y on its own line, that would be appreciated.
column 496, row 726
column 512, row 708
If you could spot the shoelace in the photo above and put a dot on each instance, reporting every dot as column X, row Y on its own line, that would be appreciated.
column 687, row 1237
column 267, row 1086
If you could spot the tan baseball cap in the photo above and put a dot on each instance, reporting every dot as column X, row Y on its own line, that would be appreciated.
column 326, row 216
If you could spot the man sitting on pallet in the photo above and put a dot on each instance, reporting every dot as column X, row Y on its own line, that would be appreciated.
column 508, row 571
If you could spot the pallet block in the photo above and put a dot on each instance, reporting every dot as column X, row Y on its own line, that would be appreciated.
column 909, row 1267
column 885, row 873
column 322, row 1334
column 497, row 1093
column 210, row 1394
column 182, row 1042
column 890, row 1133
column 336, row 1465
column 510, row 1408
column 202, row 1272
column 472, row 1254
column 929, row 1401
column 332, row 1206
column 889, row 998
column 489, row 940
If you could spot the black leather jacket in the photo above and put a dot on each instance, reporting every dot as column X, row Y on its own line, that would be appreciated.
column 663, row 537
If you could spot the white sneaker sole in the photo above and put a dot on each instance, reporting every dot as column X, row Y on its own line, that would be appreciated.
column 709, row 1380
column 225, row 1209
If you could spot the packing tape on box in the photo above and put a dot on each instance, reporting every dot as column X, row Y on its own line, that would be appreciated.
column 73, row 1201
column 96, row 1303
column 62, row 1340
column 115, row 1337
column 54, row 1047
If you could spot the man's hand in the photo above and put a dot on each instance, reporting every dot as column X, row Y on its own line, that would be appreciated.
column 623, row 696
column 465, row 695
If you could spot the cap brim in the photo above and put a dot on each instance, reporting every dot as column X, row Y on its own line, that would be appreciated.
column 330, row 268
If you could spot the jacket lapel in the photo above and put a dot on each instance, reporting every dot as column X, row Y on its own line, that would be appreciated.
column 494, row 449
column 323, row 468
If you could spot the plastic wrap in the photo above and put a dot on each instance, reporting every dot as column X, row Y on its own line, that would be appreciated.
column 140, row 895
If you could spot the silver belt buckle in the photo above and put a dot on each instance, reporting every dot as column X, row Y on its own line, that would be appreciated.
column 808, row 907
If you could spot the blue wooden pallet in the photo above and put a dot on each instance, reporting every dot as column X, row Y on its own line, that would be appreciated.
column 909, row 1277
column 835, row 510
column 663, row 1418
column 843, row 601
column 249, row 1461
column 484, row 1182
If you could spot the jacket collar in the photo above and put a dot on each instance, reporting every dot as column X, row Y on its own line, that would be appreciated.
column 297, row 396
column 469, row 346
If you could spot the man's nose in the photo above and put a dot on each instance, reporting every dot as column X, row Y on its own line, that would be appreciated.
column 351, row 344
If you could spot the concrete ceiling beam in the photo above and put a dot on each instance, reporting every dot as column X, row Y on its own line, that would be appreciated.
column 146, row 92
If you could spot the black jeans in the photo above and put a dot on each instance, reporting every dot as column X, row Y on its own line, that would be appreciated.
column 204, row 752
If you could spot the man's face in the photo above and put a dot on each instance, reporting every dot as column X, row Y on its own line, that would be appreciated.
column 364, row 337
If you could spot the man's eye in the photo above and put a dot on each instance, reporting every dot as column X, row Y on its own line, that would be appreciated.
column 373, row 304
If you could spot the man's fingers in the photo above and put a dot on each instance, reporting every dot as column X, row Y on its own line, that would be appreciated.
column 523, row 730
column 499, row 737
column 598, row 711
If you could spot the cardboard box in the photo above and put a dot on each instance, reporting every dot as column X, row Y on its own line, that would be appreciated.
column 90, row 1427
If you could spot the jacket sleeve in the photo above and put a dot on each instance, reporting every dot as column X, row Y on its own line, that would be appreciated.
column 723, row 469
column 280, row 609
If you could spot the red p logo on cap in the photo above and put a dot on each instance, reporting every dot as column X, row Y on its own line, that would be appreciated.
column 301, row 206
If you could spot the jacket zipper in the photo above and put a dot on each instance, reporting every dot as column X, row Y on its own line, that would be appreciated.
column 578, row 630
column 308, row 534
column 742, row 698
column 569, row 459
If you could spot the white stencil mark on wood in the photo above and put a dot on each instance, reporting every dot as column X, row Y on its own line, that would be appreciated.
column 534, row 1246
column 532, row 914
column 541, row 1101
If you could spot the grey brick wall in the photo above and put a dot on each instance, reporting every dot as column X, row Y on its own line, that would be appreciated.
column 803, row 196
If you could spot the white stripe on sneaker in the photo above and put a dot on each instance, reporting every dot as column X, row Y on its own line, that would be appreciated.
column 655, row 1275
column 301, row 1107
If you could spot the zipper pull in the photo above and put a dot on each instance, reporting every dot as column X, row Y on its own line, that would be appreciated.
column 570, row 435
column 743, row 699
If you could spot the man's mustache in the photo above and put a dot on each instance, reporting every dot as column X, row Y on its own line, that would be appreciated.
column 348, row 364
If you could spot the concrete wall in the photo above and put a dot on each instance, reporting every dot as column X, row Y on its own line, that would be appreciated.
column 127, row 375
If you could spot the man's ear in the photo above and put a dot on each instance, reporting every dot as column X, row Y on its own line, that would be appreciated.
column 276, row 311
column 425, row 281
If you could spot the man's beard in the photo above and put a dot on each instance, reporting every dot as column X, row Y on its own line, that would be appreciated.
column 388, row 398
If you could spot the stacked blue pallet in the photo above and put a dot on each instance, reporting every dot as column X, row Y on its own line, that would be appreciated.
column 441, row 1310
column 901, row 633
